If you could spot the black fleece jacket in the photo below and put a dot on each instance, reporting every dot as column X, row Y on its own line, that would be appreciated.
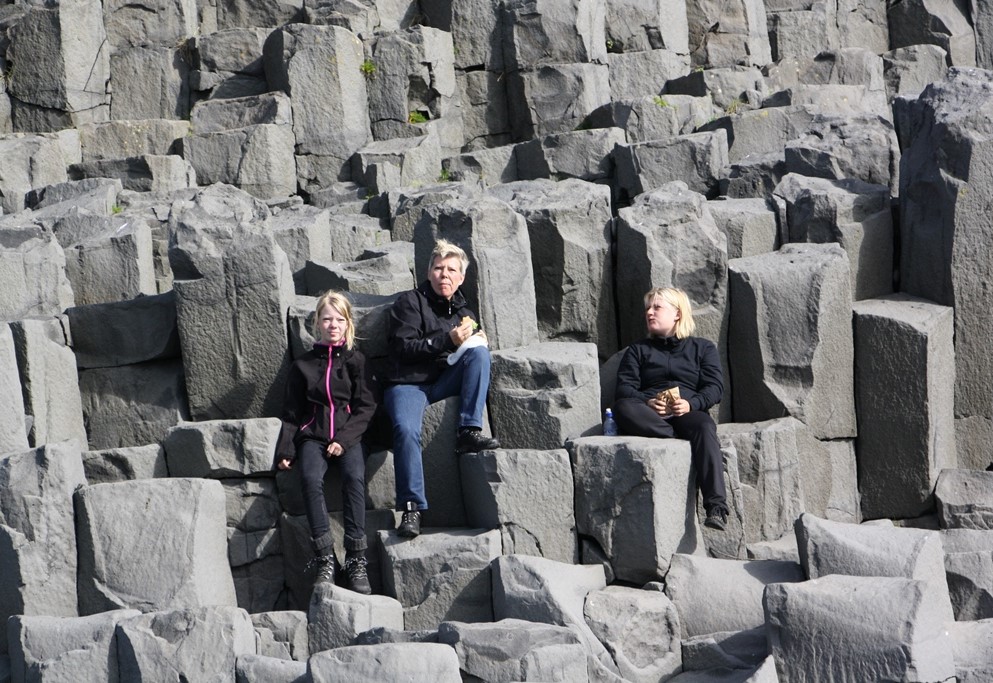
column 420, row 322
column 657, row 363
column 328, row 399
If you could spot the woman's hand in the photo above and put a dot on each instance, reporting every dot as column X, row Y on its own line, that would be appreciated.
column 666, row 409
column 284, row 464
column 679, row 407
column 334, row 449
column 461, row 333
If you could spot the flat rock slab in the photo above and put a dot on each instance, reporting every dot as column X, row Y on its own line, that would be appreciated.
column 387, row 662
column 965, row 499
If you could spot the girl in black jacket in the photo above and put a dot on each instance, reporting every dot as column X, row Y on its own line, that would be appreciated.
column 669, row 358
column 327, row 409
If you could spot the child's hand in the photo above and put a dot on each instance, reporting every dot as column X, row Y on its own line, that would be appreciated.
column 284, row 464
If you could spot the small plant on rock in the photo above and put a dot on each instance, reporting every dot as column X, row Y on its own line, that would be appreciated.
column 368, row 68
column 416, row 117
column 661, row 101
column 445, row 176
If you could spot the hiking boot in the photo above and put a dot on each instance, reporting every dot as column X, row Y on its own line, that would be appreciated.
column 323, row 568
column 356, row 576
column 410, row 523
column 471, row 440
column 717, row 518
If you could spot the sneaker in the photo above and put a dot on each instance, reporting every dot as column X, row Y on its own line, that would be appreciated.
column 410, row 524
column 323, row 568
column 472, row 441
column 356, row 576
column 717, row 518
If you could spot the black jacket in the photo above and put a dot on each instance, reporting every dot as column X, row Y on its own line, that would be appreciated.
column 420, row 322
column 308, row 409
column 657, row 363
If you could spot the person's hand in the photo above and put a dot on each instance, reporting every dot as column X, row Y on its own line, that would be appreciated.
column 284, row 464
column 461, row 333
column 660, row 407
column 666, row 409
column 334, row 449
column 482, row 333
column 679, row 407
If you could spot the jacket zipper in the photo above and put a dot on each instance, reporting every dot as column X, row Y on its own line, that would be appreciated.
column 327, row 390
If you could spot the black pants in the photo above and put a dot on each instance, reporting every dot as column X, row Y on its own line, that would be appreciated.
column 313, row 464
column 636, row 418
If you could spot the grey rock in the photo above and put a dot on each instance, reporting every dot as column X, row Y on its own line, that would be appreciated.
column 49, row 382
column 33, row 279
column 830, row 478
column 855, row 66
column 440, row 576
column 162, row 23
column 319, row 67
column 30, row 161
column 749, row 224
column 259, row 585
column 475, row 28
column 221, row 448
column 802, row 32
column 640, row 628
column 696, row 159
column 215, row 116
column 124, row 332
column 525, row 651
column 202, row 643
column 336, row 616
column 499, row 283
column 866, row 627
column 714, row 595
column 582, row 154
column 247, row 547
column 251, row 668
column 668, row 238
column 303, row 233
column 488, row 166
column 972, row 650
column 828, row 547
column 145, row 173
column 969, row 572
column 728, row 34
column 545, row 394
column 730, row 649
column 906, row 410
column 965, row 499
column 252, row 504
column 500, row 487
column 150, row 83
column 945, row 25
column 407, row 206
column 635, row 26
column 62, row 60
column 79, row 648
column 250, row 13
column 180, row 563
column 770, row 474
column 234, row 50
column 391, row 164
column 806, row 372
column 125, row 464
column 37, row 543
column 727, row 87
column 941, row 240
column 483, row 97
column 642, row 118
column 354, row 236
column 754, row 176
column 285, row 632
column 540, row 32
column 832, row 100
column 639, row 74
column 13, row 427
column 132, row 405
column 548, row 592
column 554, row 98
column 383, row 276
column 852, row 213
column 259, row 159
column 908, row 70
column 387, row 662
column 98, row 195
column 116, row 265
column 763, row 131
column 620, row 502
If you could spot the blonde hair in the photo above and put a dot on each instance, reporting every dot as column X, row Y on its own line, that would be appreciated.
column 677, row 299
column 444, row 249
column 340, row 303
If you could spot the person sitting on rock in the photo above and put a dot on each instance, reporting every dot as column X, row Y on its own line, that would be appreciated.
column 328, row 406
column 436, row 351
column 671, row 359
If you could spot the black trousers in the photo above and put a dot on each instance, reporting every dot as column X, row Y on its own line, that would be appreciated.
column 313, row 464
column 636, row 418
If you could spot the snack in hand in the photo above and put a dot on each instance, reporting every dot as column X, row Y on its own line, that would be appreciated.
column 467, row 319
column 668, row 396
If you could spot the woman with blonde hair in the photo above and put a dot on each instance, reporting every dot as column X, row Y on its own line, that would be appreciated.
column 666, row 383
column 328, row 406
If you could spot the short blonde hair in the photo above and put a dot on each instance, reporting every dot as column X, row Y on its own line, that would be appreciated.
column 340, row 303
column 677, row 299
column 444, row 249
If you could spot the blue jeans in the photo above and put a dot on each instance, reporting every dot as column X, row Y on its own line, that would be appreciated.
column 469, row 379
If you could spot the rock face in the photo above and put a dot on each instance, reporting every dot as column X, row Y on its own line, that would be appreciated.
column 181, row 179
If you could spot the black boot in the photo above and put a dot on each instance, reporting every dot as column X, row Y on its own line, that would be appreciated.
column 410, row 523
column 323, row 562
column 356, row 576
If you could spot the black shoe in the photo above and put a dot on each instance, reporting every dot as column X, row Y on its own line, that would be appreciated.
column 410, row 523
column 717, row 518
column 471, row 440
column 323, row 568
column 356, row 576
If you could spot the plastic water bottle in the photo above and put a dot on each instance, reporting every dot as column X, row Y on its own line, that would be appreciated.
column 609, row 425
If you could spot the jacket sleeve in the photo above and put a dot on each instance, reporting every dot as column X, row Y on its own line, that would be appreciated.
column 711, row 388
column 362, row 403
column 407, row 335
column 295, row 407
column 629, row 376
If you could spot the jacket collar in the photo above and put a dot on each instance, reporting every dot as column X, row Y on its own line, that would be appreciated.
column 665, row 342
column 323, row 349
column 438, row 302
